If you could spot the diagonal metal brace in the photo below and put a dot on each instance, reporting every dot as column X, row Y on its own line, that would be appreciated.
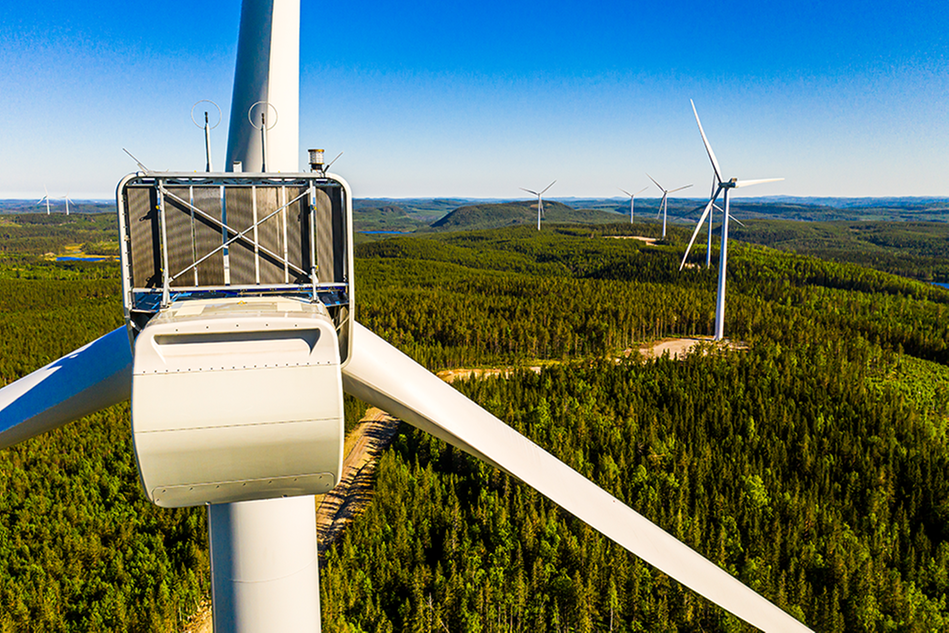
column 238, row 235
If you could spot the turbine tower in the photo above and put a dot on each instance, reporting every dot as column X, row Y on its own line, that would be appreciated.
column 68, row 200
column 708, row 249
column 723, row 187
column 632, row 200
column 663, row 204
column 540, row 201
column 45, row 199
column 211, row 380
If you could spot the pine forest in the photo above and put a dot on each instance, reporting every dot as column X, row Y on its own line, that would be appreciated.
column 810, row 459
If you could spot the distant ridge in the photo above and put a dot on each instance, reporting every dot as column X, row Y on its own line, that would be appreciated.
column 497, row 215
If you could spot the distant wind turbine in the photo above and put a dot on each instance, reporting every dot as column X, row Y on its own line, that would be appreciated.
column 723, row 188
column 540, row 201
column 68, row 200
column 44, row 198
column 664, row 203
column 632, row 200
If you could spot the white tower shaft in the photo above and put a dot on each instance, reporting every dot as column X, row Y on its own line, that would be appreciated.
column 723, row 259
column 264, row 566
column 665, row 203
column 708, row 251
column 264, row 570
column 268, row 69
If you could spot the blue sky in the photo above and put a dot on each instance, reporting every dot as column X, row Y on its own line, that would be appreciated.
column 478, row 99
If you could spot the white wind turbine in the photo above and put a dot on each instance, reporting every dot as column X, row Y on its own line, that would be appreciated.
column 663, row 204
column 67, row 200
column 540, row 201
column 723, row 187
column 45, row 199
column 632, row 200
column 263, row 551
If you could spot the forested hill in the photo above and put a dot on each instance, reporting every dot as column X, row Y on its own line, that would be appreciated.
column 911, row 249
column 490, row 216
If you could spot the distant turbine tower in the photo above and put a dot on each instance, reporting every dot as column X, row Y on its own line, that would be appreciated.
column 708, row 251
column 664, row 203
column 44, row 198
column 540, row 201
column 723, row 188
column 67, row 199
column 632, row 200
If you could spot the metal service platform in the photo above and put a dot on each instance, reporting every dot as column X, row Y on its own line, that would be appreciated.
column 200, row 236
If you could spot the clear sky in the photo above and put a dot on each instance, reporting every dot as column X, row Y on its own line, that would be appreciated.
column 470, row 99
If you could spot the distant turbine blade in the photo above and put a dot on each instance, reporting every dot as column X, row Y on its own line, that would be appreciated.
column 546, row 188
column 89, row 379
column 737, row 221
column 641, row 190
column 661, row 202
column 748, row 183
column 383, row 376
column 708, row 148
column 529, row 191
column 679, row 189
column 657, row 184
column 698, row 226
column 626, row 192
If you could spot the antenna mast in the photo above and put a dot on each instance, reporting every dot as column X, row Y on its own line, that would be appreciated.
column 207, row 141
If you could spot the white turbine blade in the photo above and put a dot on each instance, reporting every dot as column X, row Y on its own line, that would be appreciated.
column 626, row 192
column 89, row 379
column 544, row 190
column 731, row 216
column 383, row 376
column 748, row 183
column 657, row 184
column 641, row 190
column 708, row 148
column 662, row 202
column 529, row 191
column 698, row 226
column 679, row 189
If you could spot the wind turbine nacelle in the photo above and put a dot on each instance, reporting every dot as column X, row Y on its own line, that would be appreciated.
column 238, row 299
column 237, row 399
